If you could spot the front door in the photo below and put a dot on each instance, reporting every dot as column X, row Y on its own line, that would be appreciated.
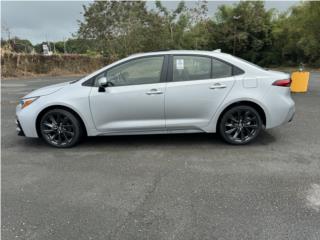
column 134, row 98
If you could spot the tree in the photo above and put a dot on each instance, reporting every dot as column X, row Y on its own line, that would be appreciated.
column 117, row 27
column 296, row 34
column 197, row 37
column 244, row 29
column 16, row 44
column 176, row 23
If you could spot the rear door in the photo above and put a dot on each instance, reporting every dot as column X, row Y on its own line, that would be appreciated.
column 197, row 85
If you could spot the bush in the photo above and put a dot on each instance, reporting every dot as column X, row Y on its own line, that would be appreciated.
column 16, row 65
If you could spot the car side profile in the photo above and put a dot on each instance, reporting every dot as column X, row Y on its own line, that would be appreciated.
column 157, row 93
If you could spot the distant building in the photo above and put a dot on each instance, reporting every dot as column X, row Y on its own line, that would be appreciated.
column 46, row 50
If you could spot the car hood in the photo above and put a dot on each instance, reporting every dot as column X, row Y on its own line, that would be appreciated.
column 46, row 90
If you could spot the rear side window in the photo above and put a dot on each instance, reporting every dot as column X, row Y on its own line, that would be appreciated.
column 221, row 69
column 188, row 68
column 237, row 71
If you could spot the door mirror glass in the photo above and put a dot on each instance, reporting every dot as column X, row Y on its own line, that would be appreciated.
column 102, row 82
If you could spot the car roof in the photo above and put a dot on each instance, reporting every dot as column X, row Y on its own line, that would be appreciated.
column 192, row 52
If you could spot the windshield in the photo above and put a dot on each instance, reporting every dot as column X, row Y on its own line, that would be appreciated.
column 74, row 81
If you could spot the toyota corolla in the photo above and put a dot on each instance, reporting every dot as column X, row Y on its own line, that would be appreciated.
column 158, row 93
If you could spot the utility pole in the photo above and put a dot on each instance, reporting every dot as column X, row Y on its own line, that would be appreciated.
column 6, row 29
column 64, row 46
column 235, row 32
column 48, row 44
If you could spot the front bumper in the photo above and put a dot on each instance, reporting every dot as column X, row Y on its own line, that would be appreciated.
column 19, row 128
column 26, row 119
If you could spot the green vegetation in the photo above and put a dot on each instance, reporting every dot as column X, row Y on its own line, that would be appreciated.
column 116, row 29
column 17, row 45
column 245, row 29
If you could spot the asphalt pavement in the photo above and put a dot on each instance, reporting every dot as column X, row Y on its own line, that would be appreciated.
column 163, row 186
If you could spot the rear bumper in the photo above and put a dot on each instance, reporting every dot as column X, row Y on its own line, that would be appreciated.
column 291, row 114
column 19, row 129
column 280, row 105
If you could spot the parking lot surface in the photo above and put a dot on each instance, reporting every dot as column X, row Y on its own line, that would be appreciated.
column 163, row 186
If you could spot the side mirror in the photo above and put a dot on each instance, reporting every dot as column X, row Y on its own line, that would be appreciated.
column 102, row 83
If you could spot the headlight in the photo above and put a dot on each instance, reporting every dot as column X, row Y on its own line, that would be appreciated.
column 25, row 102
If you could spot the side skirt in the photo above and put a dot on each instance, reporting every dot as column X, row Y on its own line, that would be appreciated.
column 171, row 131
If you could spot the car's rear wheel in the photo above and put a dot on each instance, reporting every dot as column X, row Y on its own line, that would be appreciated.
column 240, row 125
column 60, row 128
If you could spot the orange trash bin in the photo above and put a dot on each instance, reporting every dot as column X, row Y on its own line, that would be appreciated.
column 300, row 81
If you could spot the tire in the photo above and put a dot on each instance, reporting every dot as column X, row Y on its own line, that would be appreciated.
column 60, row 128
column 240, row 125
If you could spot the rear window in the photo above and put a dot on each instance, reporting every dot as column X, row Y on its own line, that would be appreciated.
column 221, row 69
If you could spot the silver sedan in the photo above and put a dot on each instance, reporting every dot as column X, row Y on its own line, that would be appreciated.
column 157, row 93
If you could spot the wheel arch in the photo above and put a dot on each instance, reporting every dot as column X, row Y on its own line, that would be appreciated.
column 255, row 105
column 77, row 115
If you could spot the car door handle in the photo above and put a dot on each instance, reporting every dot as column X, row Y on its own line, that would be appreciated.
column 154, row 92
column 217, row 86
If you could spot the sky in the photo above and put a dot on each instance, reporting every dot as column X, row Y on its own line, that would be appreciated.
column 41, row 21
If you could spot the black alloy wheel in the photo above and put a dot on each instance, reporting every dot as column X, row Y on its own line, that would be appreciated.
column 60, row 128
column 240, row 125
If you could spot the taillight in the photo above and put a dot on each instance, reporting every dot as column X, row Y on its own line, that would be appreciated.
column 282, row 83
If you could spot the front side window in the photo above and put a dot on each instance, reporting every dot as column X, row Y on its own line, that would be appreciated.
column 138, row 71
column 188, row 68
column 221, row 69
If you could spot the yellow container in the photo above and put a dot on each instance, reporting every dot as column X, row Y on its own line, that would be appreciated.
column 300, row 81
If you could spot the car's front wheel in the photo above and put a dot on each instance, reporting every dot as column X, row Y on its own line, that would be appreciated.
column 240, row 125
column 60, row 128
